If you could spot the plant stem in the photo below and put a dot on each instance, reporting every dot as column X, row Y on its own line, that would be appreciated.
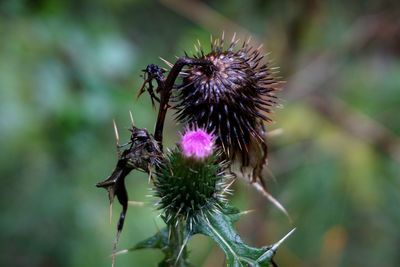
column 178, row 251
column 165, row 88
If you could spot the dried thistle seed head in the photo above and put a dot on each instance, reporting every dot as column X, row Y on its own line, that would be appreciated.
column 232, row 97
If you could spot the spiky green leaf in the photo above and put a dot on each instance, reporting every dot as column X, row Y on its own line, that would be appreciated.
column 219, row 227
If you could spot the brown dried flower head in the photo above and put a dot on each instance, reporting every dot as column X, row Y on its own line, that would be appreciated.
column 232, row 98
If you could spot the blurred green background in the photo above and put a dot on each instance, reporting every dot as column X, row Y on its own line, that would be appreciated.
column 67, row 68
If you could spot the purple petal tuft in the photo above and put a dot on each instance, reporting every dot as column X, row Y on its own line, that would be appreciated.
column 197, row 144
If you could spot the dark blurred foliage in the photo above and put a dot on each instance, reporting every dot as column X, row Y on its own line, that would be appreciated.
column 67, row 68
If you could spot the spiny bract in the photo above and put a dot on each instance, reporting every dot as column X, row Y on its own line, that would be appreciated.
column 188, row 188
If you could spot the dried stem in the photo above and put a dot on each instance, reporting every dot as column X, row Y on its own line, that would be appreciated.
column 165, row 88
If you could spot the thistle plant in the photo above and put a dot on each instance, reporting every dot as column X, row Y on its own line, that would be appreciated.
column 223, row 98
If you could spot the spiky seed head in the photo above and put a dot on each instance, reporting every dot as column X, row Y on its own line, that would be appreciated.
column 232, row 97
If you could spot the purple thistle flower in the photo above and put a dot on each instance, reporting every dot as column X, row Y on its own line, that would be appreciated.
column 197, row 144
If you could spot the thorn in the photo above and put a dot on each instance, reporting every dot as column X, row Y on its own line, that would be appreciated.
column 271, row 251
column 201, row 48
column 277, row 244
column 142, row 89
column 136, row 203
column 248, row 40
column 116, row 132
column 272, row 200
column 182, row 247
column 117, row 139
column 150, row 173
column 275, row 132
column 130, row 115
column 267, row 55
column 233, row 43
column 111, row 205
column 228, row 186
column 233, row 38
column 166, row 62
column 124, row 251
column 245, row 212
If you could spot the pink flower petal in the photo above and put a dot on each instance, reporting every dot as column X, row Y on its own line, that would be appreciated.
column 197, row 144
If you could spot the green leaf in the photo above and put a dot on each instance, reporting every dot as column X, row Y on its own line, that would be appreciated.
column 219, row 227
column 170, row 243
column 157, row 241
